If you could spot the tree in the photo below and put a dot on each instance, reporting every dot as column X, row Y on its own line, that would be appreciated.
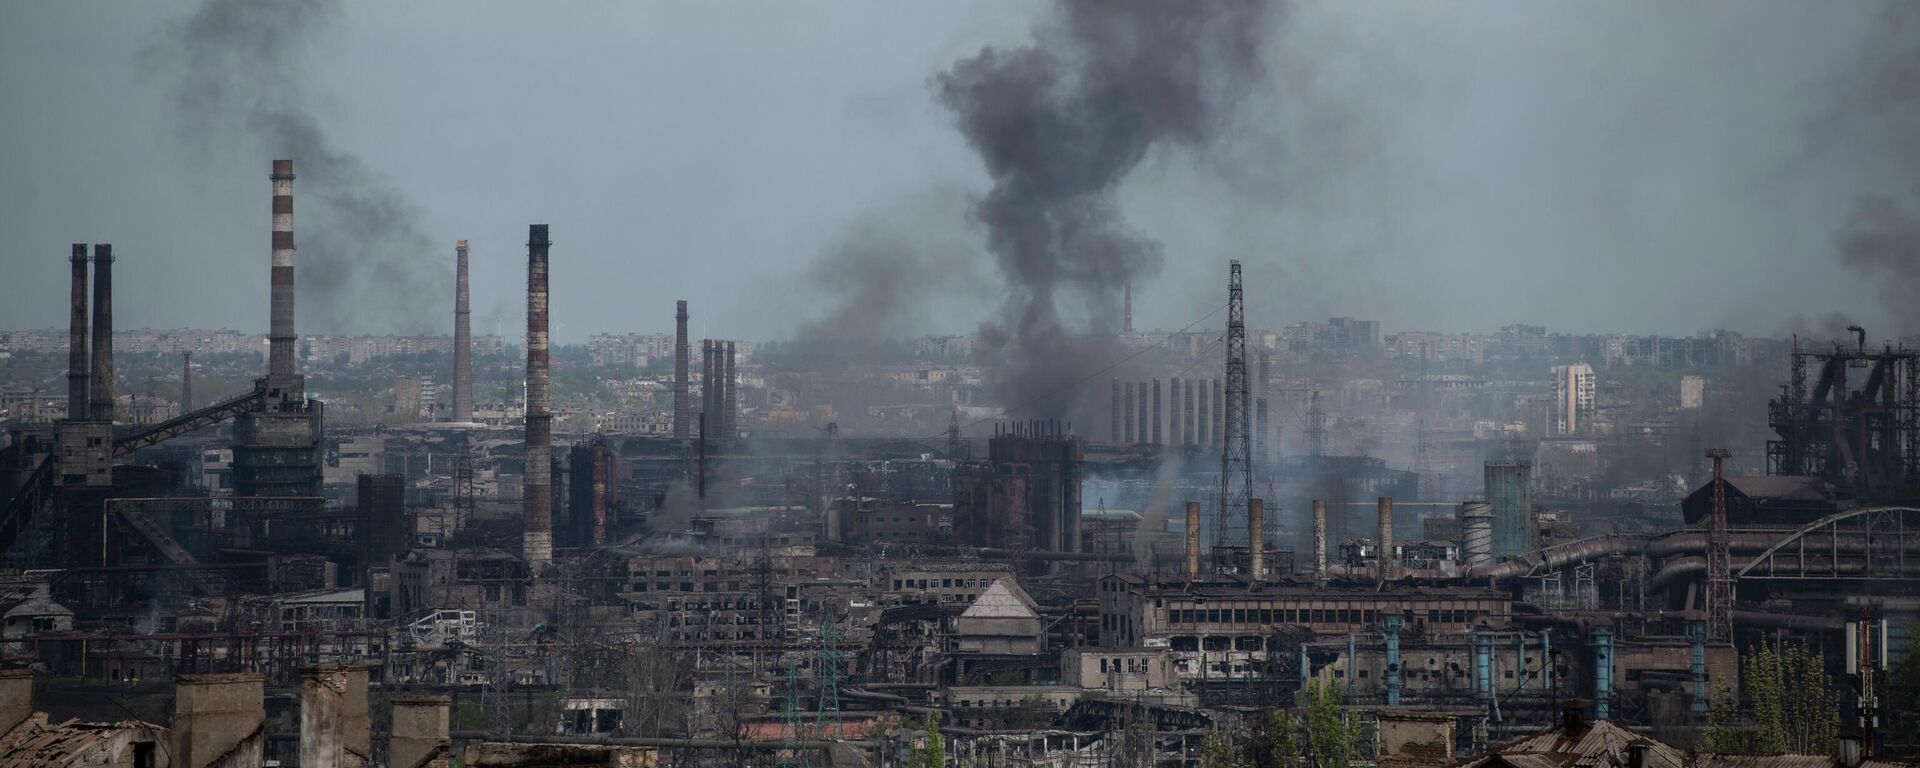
column 1724, row 733
column 1283, row 739
column 1217, row 751
column 1792, row 705
column 932, row 754
column 1332, row 736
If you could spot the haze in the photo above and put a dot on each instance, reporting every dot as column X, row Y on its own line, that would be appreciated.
column 1621, row 167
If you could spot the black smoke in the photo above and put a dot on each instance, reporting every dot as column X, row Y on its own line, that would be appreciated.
column 1881, row 108
column 234, row 83
column 1059, row 125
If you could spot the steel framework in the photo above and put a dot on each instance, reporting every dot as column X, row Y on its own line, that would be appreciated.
column 1719, row 558
column 1236, row 466
column 1874, row 543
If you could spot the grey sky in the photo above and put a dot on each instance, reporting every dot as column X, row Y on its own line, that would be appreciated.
column 1453, row 166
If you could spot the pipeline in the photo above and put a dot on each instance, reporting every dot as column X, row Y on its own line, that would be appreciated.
column 1035, row 554
column 656, row 741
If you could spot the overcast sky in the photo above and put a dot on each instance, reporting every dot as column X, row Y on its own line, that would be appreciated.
column 1646, row 168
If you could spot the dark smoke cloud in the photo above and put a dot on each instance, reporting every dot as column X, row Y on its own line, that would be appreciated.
column 1059, row 125
column 1881, row 107
column 364, row 265
column 891, row 274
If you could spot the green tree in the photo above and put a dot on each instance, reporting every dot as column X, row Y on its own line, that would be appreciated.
column 1332, row 735
column 1283, row 739
column 1218, row 751
column 1724, row 722
column 1791, row 705
column 933, row 753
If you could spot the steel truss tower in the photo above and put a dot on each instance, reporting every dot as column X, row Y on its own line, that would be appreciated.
column 1719, row 559
column 1236, row 467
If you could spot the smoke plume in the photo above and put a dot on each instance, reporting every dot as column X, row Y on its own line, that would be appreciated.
column 364, row 265
column 1881, row 107
column 1059, row 125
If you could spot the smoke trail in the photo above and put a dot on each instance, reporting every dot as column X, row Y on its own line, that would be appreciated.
column 364, row 264
column 1059, row 125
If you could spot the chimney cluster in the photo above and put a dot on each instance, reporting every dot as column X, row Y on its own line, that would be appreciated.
column 462, row 339
column 719, row 390
column 1187, row 413
column 537, row 492
column 90, row 390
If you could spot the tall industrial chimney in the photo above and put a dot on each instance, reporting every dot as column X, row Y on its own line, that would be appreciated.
column 731, row 391
column 77, row 394
column 100, row 392
column 462, row 338
column 681, row 407
column 186, row 382
column 1386, row 539
column 1257, row 538
column 1126, row 324
column 1320, row 540
column 280, row 336
column 1114, row 401
column 1193, row 540
column 537, row 495
column 1159, row 437
column 707, row 409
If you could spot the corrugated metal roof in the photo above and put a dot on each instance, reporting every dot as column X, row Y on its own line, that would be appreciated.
column 1597, row 745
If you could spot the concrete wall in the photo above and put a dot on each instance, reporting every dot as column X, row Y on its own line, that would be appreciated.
column 217, row 721
column 16, row 697
column 420, row 732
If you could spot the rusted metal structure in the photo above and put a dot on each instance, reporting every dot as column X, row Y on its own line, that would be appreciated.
column 537, row 494
column 1026, row 494
column 1236, row 458
column 1719, row 558
column 1865, row 440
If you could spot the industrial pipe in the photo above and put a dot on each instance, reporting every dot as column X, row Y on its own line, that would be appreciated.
column 280, row 334
column 1386, row 539
column 1320, row 540
column 462, row 338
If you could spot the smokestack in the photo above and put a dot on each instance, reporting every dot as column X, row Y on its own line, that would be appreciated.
column 537, row 495
column 1159, row 438
column 186, row 382
column 1261, row 447
column 1386, row 539
column 100, row 392
column 1146, row 413
column 1126, row 325
column 680, row 405
column 462, row 338
column 1193, row 539
column 1257, row 538
column 280, row 337
column 1320, row 540
column 732, row 392
column 1187, row 425
column 1220, row 411
column 707, row 409
column 1115, row 401
column 1126, row 406
column 1204, row 435
column 1173, row 412
column 77, row 380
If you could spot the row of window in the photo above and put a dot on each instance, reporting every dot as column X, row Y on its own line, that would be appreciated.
column 1311, row 616
column 904, row 584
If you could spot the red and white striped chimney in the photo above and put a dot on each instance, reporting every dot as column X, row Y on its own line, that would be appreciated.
column 280, row 335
